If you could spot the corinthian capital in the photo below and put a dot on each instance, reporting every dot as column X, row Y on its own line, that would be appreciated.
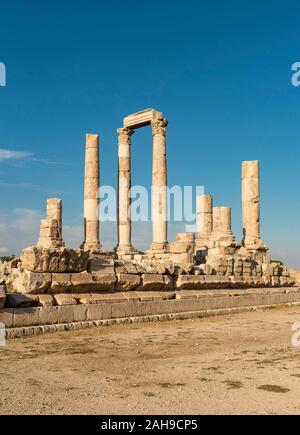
column 159, row 126
column 125, row 134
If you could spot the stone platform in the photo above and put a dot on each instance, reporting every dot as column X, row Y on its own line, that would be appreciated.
column 66, row 312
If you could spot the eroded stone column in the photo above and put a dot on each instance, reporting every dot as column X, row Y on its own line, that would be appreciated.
column 251, row 205
column 222, row 225
column 204, row 217
column 159, row 186
column 91, row 195
column 51, row 227
column 124, row 186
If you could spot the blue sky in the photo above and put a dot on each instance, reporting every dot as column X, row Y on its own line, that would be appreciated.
column 219, row 71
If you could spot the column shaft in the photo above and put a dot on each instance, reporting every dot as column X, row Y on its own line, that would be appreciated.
column 251, row 203
column 159, row 185
column 124, row 186
column 91, row 194
column 204, row 216
column 222, row 225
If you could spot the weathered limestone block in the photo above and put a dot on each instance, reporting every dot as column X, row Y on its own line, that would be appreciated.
column 61, row 283
column 45, row 300
column 181, row 258
column 26, row 282
column 105, row 281
column 217, row 281
column 295, row 275
column 26, row 317
column 151, row 282
column 64, row 299
column 2, row 295
column 152, row 267
column 142, row 118
column 40, row 259
column 207, row 269
column 130, row 268
column 82, row 282
column 86, row 282
column 218, row 264
column 127, row 282
column 6, row 317
column 6, row 267
column 185, row 243
column 99, row 265
column 190, row 282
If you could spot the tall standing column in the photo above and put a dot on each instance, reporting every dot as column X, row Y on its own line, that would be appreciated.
column 251, row 204
column 204, row 217
column 91, row 195
column 159, row 186
column 124, row 186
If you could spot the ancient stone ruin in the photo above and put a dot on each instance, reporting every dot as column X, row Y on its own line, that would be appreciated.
column 51, row 277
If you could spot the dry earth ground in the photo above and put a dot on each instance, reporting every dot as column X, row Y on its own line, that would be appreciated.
column 237, row 364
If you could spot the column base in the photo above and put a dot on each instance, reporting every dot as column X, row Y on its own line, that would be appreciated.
column 51, row 244
column 159, row 248
column 125, row 250
column 255, row 245
column 94, row 248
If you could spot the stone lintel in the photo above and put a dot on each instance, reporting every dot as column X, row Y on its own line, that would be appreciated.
column 141, row 119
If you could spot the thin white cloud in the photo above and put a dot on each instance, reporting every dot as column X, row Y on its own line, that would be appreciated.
column 3, row 250
column 13, row 155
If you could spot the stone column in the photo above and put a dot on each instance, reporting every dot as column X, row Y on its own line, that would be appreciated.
column 251, row 204
column 51, row 227
column 222, row 225
column 159, row 186
column 91, row 195
column 204, row 217
column 124, row 186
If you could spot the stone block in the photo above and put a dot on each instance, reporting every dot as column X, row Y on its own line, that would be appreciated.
column 131, row 296
column 64, row 299
column 25, row 317
column 127, row 282
column 99, row 311
column 45, row 300
column 99, row 265
column 83, row 282
column 6, row 317
column 118, row 310
column 2, row 295
column 155, row 282
column 27, row 282
column 48, row 315
column 41, row 259
column 65, row 314
column 105, row 282
column 80, row 313
column 61, row 283
column 132, row 308
column 190, row 282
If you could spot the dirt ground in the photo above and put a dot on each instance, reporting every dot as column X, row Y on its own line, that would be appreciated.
column 237, row 364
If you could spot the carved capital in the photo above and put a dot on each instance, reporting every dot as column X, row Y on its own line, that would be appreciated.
column 159, row 126
column 125, row 134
